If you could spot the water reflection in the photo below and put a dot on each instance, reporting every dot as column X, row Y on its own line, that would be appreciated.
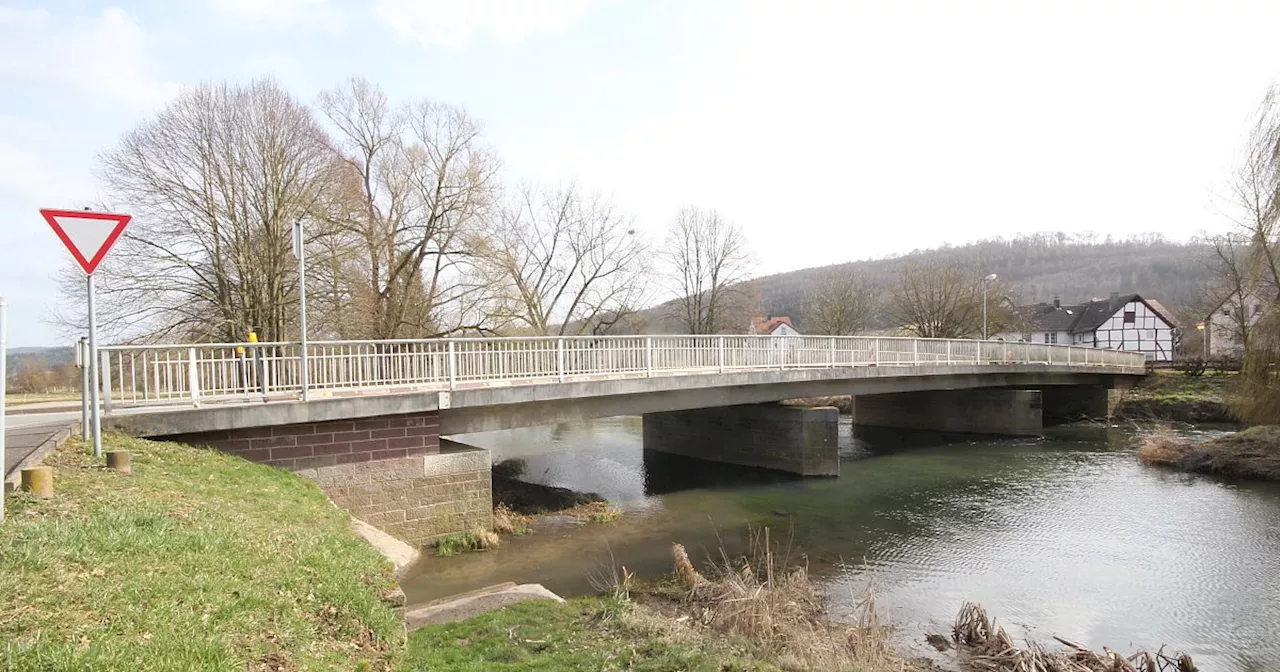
column 1061, row 535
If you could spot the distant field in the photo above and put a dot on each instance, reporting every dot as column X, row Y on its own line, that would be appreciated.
column 20, row 399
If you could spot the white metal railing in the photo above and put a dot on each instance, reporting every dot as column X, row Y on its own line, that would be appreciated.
column 168, row 374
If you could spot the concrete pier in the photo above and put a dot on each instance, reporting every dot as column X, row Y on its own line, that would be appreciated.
column 785, row 438
column 1069, row 403
column 1003, row 412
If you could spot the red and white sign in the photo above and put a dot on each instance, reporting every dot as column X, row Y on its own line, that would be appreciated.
column 88, row 235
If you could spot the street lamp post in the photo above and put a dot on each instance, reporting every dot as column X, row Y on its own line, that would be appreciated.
column 985, row 283
column 300, row 249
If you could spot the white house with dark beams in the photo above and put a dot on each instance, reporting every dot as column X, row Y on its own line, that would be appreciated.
column 1127, row 322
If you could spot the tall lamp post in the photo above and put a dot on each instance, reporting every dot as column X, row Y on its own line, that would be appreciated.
column 985, row 283
column 300, row 249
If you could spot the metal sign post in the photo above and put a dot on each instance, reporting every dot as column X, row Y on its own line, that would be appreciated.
column 93, row 373
column 4, row 377
column 300, row 249
column 88, row 236
column 82, row 355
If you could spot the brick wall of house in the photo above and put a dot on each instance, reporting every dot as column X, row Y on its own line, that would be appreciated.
column 390, row 471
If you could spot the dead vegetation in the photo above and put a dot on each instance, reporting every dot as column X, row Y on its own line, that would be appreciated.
column 1252, row 453
column 989, row 647
column 506, row 521
column 758, row 598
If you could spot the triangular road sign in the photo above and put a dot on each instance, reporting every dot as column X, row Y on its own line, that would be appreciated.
column 88, row 235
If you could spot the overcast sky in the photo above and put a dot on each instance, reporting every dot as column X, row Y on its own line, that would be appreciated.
column 830, row 131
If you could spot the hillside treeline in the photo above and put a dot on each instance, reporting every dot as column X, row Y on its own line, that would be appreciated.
column 1032, row 268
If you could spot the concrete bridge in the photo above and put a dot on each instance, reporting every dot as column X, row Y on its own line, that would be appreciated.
column 365, row 420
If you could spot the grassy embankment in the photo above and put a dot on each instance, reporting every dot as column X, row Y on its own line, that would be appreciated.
column 202, row 561
column 1251, row 453
column 196, row 561
column 1177, row 397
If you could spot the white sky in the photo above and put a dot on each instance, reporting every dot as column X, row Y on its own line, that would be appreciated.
column 831, row 131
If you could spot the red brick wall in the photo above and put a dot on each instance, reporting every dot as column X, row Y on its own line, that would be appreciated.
column 326, row 444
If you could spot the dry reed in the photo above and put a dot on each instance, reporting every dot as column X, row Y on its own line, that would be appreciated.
column 758, row 598
column 1163, row 447
column 1251, row 453
column 991, row 648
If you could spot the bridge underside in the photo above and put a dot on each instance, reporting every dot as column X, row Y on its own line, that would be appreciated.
column 382, row 456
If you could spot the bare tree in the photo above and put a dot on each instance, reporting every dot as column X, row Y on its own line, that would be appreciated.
column 1233, row 290
column 570, row 263
column 1255, row 191
column 708, row 265
column 415, row 185
column 215, row 182
column 944, row 300
column 844, row 304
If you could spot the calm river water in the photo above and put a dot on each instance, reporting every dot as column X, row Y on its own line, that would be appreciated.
column 1065, row 535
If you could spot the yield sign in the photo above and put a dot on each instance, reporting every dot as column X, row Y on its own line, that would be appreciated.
column 88, row 235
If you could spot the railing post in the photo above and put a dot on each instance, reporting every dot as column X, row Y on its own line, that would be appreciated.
column 453, row 364
column 193, row 377
column 560, row 358
column 104, row 384
column 648, row 356
column 948, row 351
column 915, row 351
column 833, row 352
column 720, row 351
column 875, row 352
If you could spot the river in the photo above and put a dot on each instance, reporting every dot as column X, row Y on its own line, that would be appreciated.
column 1063, row 535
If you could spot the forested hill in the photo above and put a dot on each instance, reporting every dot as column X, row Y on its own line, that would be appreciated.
column 1037, row 267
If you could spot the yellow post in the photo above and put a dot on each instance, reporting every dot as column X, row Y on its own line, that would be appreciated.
column 39, row 481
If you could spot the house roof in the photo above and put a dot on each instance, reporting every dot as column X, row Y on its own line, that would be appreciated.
column 768, row 324
column 1164, row 313
column 1045, row 317
column 1084, row 317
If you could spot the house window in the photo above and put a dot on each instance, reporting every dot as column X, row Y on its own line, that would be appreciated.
column 1051, row 337
column 1130, row 317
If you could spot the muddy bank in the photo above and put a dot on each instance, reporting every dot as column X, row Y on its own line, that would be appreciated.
column 1253, row 453
column 531, row 498
column 1174, row 410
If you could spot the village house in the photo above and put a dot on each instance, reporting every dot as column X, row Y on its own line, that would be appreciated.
column 774, row 326
column 1229, row 323
column 1127, row 322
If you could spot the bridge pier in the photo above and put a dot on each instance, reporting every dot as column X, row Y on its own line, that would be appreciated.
column 786, row 438
column 1069, row 403
column 390, row 471
column 992, row 411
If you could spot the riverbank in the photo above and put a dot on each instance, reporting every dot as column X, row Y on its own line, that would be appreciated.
column 201, row 561
column 195, row 561
column 1253, row 453
column 749, row 615
column 1173, row 396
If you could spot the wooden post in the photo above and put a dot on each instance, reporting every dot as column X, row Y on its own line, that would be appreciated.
column 39, row 481
column 121, row 461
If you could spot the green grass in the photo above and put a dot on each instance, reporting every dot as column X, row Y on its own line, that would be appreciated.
column 464, row 542
column 1173, row 386
column 587, row 634
column 196, row 561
